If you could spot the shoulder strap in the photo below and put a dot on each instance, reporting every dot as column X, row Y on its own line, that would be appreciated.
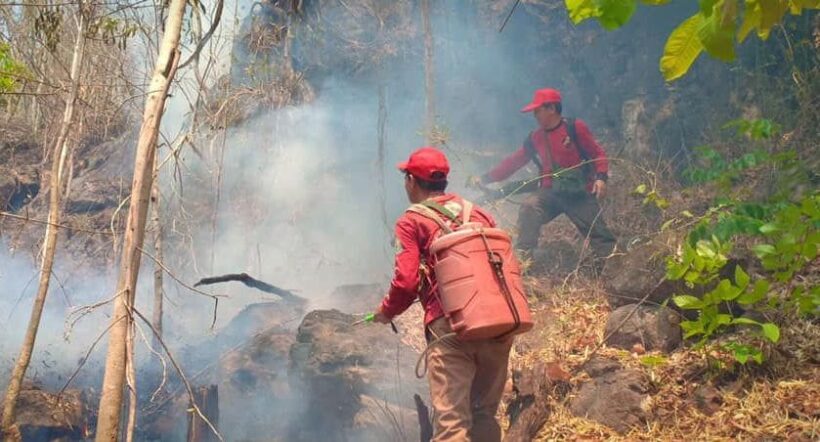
column 431, row 214
column 572, row 131
column 466, row 211
column 530, row 148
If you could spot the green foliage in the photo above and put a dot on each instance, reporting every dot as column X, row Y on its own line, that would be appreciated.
column 112, row 31
column 780, row 234
column 717, row 27
column 651, row 196
column 11, row 70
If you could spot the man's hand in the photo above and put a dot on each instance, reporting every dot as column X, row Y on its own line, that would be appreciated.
column 380, row 317
column 474, row 182
column 599, row 188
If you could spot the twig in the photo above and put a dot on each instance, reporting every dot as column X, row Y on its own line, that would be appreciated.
column 175, row 278
column 161, row 359
column 48, row 223
column 181, row 374
column 515, row 5
column 85, row 358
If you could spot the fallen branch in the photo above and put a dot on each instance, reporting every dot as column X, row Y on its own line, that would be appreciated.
column 251, row 282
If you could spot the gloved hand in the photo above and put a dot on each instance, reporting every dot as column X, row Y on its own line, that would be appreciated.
column 379, row 317
column 474, row 182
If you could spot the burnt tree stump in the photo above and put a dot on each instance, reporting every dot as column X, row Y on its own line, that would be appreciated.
column 207, row 399
column 533, row 388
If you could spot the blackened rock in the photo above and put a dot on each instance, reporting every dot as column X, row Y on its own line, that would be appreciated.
column 653, row 327
column 615, row 399
column 334, row 363
column 631, row 275
column 558, row 257
column 43, row 416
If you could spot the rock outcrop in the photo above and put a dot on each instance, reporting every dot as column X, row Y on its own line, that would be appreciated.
column 44, row 416
column 334, row 364
column 615, row 397
column 652, row 327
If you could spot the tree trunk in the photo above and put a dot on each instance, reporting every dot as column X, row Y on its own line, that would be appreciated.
column 9, row 429
column 112, row 389
column 156, row 320
column 429, row 85
column 207, row 399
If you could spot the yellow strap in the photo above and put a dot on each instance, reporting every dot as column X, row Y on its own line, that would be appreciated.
column 466, row 211
column 431, row 214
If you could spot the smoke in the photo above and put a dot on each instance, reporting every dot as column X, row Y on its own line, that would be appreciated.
column 299, row 188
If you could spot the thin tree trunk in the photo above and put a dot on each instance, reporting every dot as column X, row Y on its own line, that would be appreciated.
column 429, row 85
column 131, row 378
column 112, row 389
column 158, row 294
column 9, row 429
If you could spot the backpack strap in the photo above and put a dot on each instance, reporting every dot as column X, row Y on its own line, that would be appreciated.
column 466, row 211
column 431, row 214
column 434, row 211
column 572, row 131
column 530, row 148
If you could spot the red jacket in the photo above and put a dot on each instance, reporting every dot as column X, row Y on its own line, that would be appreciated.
column 564, row 153
column 414, row 234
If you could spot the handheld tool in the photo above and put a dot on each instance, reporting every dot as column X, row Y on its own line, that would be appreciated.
column 372, row 316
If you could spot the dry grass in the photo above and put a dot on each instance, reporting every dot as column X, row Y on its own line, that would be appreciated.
column 777, row 401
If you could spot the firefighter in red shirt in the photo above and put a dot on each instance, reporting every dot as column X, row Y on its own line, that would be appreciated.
column 466, row 377
column 573, row 170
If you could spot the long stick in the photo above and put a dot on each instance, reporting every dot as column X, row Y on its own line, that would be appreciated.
column 110, row 408
column 429, row 83
column 9, row 429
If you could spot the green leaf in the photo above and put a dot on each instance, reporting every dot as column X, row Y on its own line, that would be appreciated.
column 707, row 6
column 615, row 13
column 745, row 321
column 763, row 250
column 771, row 332
column 687, row 214
column 667, row 224
column 768, row 228
column 772, row 12
column 640, row 190
column 580, row 10
column 655, row 2
column 751, row 20
column 717, row 32
column 755, row 295
column 687, row 302
column 741, row 277
column 682, row 48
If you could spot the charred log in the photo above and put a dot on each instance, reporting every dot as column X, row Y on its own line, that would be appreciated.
column 534, row 388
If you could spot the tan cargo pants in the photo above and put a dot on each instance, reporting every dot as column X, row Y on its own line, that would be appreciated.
column 466, row 383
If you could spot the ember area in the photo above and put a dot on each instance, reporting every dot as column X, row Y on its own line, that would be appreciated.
column 409, row 220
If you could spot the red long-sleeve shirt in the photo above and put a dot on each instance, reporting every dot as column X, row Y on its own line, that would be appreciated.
column 563, row 151
column 414, row 235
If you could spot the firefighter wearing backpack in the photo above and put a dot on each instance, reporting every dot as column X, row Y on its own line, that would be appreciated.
column 466, row 377
column 573, row 170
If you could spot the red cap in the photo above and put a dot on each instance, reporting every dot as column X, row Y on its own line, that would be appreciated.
column 542, row 97
column 425, row 162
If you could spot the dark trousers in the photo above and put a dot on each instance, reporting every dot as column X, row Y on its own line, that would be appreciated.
column 582, row 209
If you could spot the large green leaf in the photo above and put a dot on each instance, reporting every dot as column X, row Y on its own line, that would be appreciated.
column 771, row 332
column 682, row 48
column 615, row 13
column 717, row 32
column 687, row 302
column 580, row 10
column 771, row 13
